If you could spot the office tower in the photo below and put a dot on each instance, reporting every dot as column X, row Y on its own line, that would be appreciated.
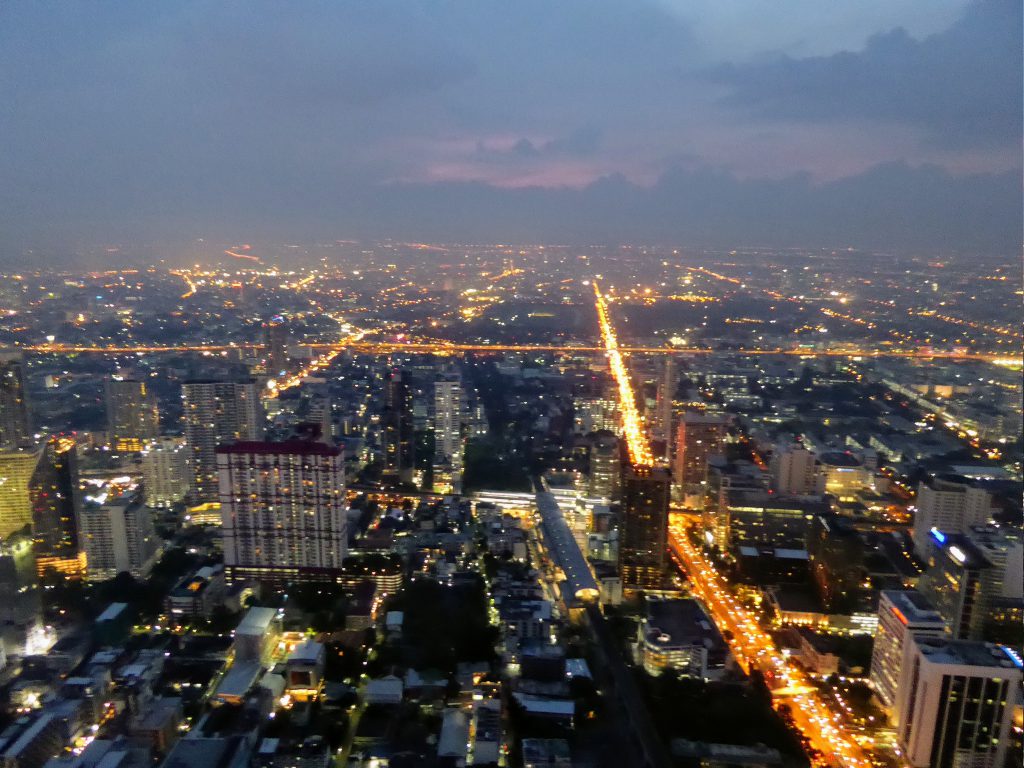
column 216, row 413
column 119, row 537
column 16, row 468
column 664, row 399
column 950, row 504
column 132, row 416
column 448, row 415
column 955, row 702
column 165, row 472
column 794, row 471
column 698, row 437
column 283, row 510
column 56, row 507
column 397, row 423
column 836, row 553
column 643, row 540
column 20, row 601
column 605, row 463
column 954, row 582
column 900, row 615
column 1002, row 585
column 319, row 414
column 275, row 338
column 15, row 428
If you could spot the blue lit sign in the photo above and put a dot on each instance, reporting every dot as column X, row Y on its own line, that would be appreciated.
column 938, row 535
column 1014, row 656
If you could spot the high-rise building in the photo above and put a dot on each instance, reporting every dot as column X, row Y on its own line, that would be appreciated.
column 132, row 416
column 663, row 408
column 954, row 582
column 275, row 337
column 950, row 504
column 15, row 427
column 900, row 614
column 794, row 471
column 448, row 417
column 165, row 472
column 56, row 508
column 1003, row 548
column 216, row 413
column 283, row 511
column 643, row 539
column 605, row 462
column 397, row 422
column 955, row 702
column 20, row 603
column 698, row 437
column 16, row 468
column 118, row 537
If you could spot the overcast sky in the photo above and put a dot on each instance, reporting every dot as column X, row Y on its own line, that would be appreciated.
column 876, row 123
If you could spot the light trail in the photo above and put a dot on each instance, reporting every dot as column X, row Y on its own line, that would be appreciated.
column 188, row 281
column 441, row 347
column 632, row 425
column 754, row 649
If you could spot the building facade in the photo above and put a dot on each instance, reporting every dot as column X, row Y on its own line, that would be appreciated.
column 397, row 426
column 216, row 413
column 132, row 416
column 119, row 537
column 165, row 472
column 15, row 426
column 900, row 615
column 955, row 702
column 952, row 505
column 16, row 469
column 698, row 437
column 56, row 508
column 283, row 511
column 643, row 539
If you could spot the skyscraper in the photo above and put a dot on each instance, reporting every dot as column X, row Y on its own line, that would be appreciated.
column 397, row 423
column 954, row 582
column 283, row 510
column 448, row 415
column 605, row 465
column 665, row 398
column 16, row 468
column 698, row 437
column 56, row 509
column 275, row 337
column 118, row 537
column 950, row 504
column 15, row 428
column 900, row 615
column 217, row 412
column 794, row 471
column 132, row 416
column 955, row 702
column 643, row 541
column 165, row 475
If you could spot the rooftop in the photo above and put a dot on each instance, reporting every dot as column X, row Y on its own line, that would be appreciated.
column 971, row 653
column 912, row 607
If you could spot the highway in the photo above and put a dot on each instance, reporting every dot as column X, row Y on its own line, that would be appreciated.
column 751, row 646
column 441, row 347
column 754, row 649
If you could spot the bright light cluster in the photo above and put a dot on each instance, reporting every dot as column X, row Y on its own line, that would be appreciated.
column 753, row 648
column 632, row 425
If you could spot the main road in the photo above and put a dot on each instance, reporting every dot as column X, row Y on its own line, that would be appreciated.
column 751, row 646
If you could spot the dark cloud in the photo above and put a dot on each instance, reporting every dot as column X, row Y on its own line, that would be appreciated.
column 532, row 119
column 892, row 206
column 963, row 86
